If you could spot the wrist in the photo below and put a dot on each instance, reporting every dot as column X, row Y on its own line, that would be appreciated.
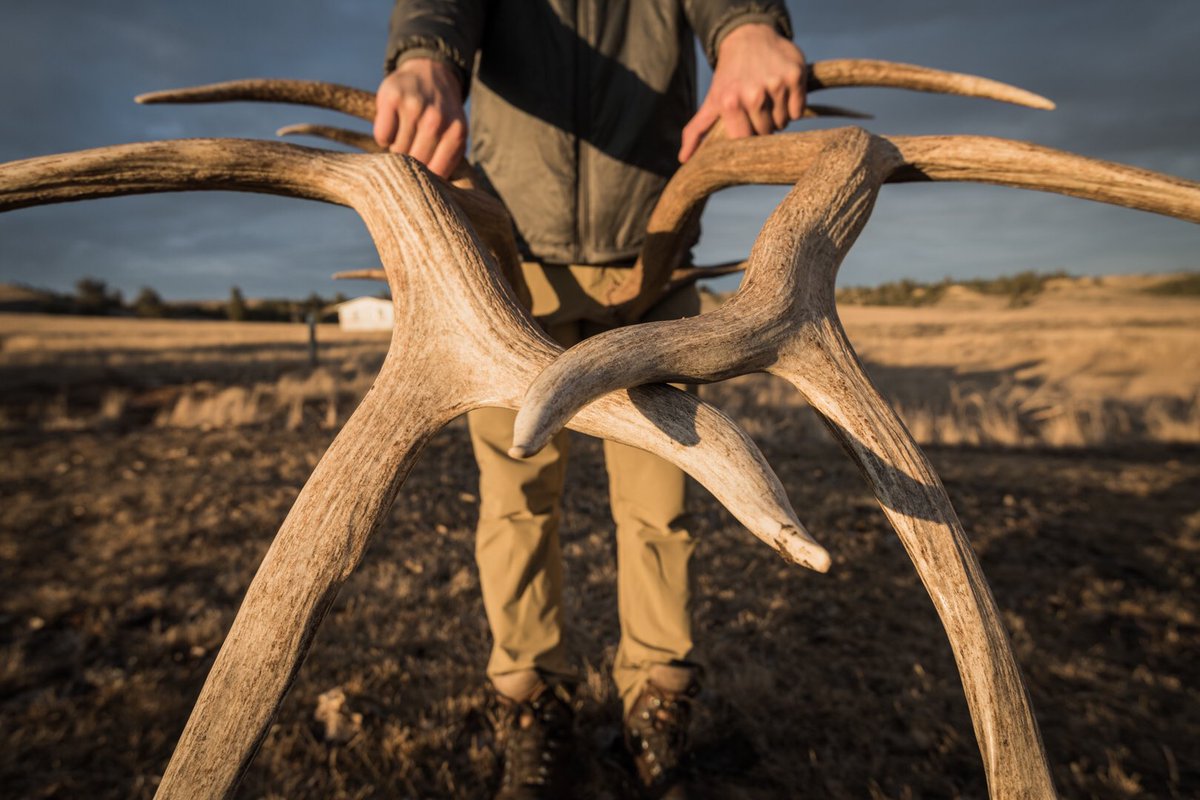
column 747, row 35
column 430, row 66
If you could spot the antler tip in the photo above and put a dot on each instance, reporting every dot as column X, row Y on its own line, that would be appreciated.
column 797, row 546
column 361, row 275
column 521, row 451
column 533, row 430
column 1041, row 103
column 161, row 96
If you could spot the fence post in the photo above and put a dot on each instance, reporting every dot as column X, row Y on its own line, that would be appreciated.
column 311, row 319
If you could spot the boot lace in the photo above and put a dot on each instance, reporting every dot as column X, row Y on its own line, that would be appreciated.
column 536, row 737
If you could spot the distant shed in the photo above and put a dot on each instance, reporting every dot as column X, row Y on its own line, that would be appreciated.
column 365, row 314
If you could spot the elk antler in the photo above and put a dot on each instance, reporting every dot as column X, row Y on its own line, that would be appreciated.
column 783, row 320
column 356, row 139
column 460, row 342
column 849, row 72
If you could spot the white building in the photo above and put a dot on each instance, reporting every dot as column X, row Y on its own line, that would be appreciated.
column 365, row 314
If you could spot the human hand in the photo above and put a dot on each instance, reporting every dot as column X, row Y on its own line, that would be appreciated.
column 757, row 87
column 419, row 111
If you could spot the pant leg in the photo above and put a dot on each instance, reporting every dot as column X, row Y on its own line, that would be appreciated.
column 516, row 542
column 516, row 546
column 654, row 548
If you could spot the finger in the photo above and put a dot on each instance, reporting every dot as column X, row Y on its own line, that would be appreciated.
column 760, row 120
column 407, row 115
column 694, row 131
column 737, row 124
column 449, row 150
column 385, row 121
column 429, row 133
column 779, row 108
column 796, row 102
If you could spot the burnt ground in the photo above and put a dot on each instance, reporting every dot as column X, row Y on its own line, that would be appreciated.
column 125, row 554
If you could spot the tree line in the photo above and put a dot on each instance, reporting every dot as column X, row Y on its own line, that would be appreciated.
column 94, row 297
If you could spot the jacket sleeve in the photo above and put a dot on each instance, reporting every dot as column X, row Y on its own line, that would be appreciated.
column 449, row 30
column 713, row 19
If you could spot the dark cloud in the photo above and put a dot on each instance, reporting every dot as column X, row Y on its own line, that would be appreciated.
column 1123, row 74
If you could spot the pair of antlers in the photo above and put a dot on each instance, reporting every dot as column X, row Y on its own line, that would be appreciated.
column 461, row 341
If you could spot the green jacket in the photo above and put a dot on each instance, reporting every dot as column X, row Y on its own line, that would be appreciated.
column 577, row 106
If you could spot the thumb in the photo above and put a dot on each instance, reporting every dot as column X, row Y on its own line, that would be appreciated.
column 694, row 131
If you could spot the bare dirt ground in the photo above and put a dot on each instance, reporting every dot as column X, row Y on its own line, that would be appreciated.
column 134, row 509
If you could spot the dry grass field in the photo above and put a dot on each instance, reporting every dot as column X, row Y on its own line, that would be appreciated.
column 147, row 465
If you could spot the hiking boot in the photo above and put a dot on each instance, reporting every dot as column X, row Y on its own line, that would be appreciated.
column 656, row 732
column 536, row 734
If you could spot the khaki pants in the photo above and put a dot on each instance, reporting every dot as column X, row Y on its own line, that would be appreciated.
column 517, row 546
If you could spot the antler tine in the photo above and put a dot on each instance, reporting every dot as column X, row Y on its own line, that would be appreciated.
column 783, row 320
column 1022, row 165
column 362, row 141
column 179, row 165
column 686, row 276
column 361, row 275
column 321, row 94
column 849, row 72
column 813, row 110
column 460, row 342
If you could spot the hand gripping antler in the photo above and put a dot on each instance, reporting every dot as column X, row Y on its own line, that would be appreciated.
column 783, row 320
column 460, row 342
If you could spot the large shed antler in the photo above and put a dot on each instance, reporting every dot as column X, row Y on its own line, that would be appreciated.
column 784, row 321
column 460, row 342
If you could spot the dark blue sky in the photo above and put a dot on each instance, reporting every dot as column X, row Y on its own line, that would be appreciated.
column 1124, row 76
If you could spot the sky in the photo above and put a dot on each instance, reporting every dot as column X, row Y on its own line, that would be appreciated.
column 1124, row 76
